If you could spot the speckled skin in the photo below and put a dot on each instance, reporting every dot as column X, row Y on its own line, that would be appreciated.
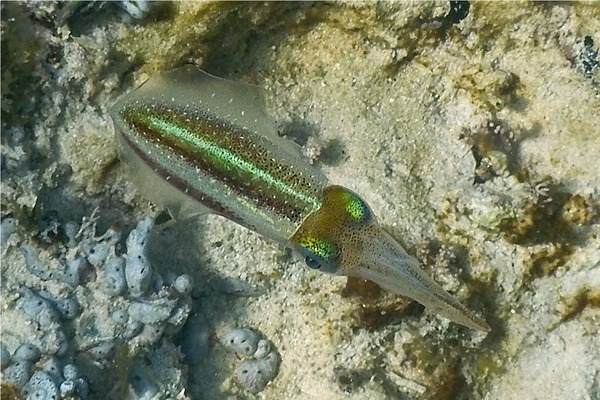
column 198, row 142
column 344, row 238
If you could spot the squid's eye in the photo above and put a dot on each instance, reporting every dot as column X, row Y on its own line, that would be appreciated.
column 318, row 254
column 312, row 263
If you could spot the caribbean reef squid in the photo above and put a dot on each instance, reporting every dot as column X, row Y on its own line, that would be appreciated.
column 196, row 143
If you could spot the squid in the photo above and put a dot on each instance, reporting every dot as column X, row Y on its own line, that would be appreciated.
column 196, row 143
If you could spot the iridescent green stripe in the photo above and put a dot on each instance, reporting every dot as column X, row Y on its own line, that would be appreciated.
column 232, row 158
column 226, row 157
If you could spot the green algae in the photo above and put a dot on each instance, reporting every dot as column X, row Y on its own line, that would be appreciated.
column 230, row 33
column 549, row 226
column 540, row 221
column 23, row 51
column 441, row 363
column 375, row 308
column 494, row 149
column 582, row 300
column 9, row 392
column 349, row 379
column 450, row 384
column 121, row 364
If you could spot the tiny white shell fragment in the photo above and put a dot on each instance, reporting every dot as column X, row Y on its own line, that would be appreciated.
column 183, row 284
column 70, row 371
column 138, row 272
column 263, row 348
column 67, row 388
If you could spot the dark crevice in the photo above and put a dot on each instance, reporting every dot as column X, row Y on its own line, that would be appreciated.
column 459, row 10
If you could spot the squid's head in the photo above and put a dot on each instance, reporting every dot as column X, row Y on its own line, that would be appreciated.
column 343, row 237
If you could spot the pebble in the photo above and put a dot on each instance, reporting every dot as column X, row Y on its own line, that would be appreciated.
column 137, row 9
column 70, row 230
column 243, row 341
column 38, row 307
column 27, row 352
column 67, row 388
column 4, row 356
column 133, row 329
column 53, row 368
column 254, row 374
column 183, row 284
column 41, row 386
column 18, row 373
column 73, row 271
column 70, row 371
column 114, row 282
column 138, row 272
column 96, row 253
column 120, row 317
column 34, row 265
column 262, row 349
column 68, row 308
column 151, row 312
column 179, row 314
column 8, row 226
column 151, row 333
column 102, row 351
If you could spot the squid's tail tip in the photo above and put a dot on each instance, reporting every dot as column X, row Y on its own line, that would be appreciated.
column 482, row 326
